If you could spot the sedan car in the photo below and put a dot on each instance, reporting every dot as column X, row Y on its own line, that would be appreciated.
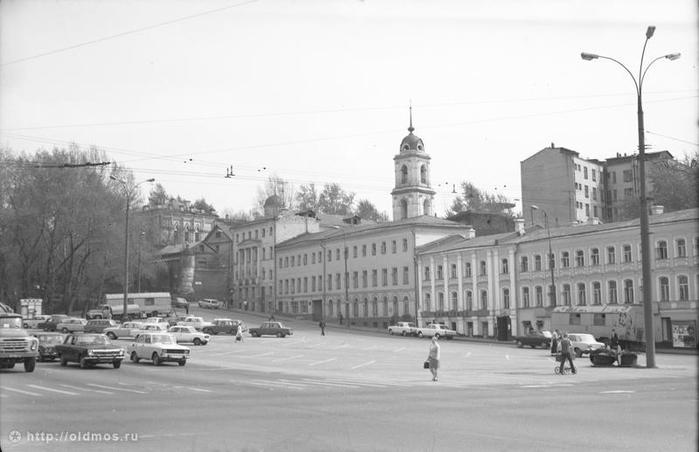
column 179, row 302
column 71, row 325
column 51, row 322
column 583, row 343
column 126, row 329
column 188, row 334
column 210, row 303
column 535, row 339
column 47, row 344
column 197, row 322
column 99, row 325
column 34, row 321
column 151, row 328
column 159, row 348
column 89, row 349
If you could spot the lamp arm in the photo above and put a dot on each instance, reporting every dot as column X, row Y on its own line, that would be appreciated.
column 638, row 90
column 643, row 75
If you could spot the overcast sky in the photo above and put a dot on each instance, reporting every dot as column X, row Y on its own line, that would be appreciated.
column 318, row 91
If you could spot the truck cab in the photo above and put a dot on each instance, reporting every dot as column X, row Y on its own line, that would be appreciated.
column 16, row 345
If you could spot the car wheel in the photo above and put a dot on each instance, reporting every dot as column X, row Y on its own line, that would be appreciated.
column 182, row 362
column 402, row 333
column 111, row 335
column 83, row 363
column 65, row 331
column 156, row 359
column 117, row 364
column 280, row 335
column 419, row 334
column 197, row 341
column 29, row 364
column 520, row 344
column 578, row 352
column 64, row 362
column 390, row 332
column 25, row 326
column 134, row 357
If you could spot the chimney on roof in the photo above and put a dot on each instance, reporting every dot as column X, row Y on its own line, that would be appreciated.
column 657, row 210
column 519, row 226
column 470, row 232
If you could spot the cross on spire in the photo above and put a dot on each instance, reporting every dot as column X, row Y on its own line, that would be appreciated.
column 411, row 128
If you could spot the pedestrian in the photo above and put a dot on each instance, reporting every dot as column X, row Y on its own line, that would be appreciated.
column 239, row 334
column 186, row 307
column 614, row 345
column 554, row 342
column 433, row 357
column 566, row 353
column 340, row 317
column 322, row 327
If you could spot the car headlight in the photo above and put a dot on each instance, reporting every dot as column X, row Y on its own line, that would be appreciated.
column 90, row 353
column 34, row 346
column 186, row 352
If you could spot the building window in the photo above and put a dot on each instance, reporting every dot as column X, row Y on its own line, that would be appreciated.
column 330, row 255
column 628, row 175
column 483, row 269
column 469, row 300
column 582, row 296
column 661, row 250
column 627, row 254
column 506, row 298
column 537, row 262
column 453, row 271
column 467, row 270
column 440, row 301
column 405, row 275
column 383, row 247
column 552, row 261
column 428, row 302
column 440, row 276
column 599, row 319
column 566, row 294
column 484, row 299
column 354, row 251
column 505, row 267
column 594, row 175
column 611, row 255
column 565, row 259
column 683, row 282
column 394, row 247
column 580, row 258
column 384, row 277
column 355, row 280
column 664, row 284
column 338, row 281
column 363, row 250
column 365, row 275
column 405, row 245
column 594, row 256
column 596, row 293
column 427, row 273
column 373, row 249
column 374, row 278
column 394, row 276
column 404, row 174
column 330, row 281
column 525, row 297
column 552, row 295
column 584, row 172
column 524, row 264
column 628, row 291
column 681, row 248
column 539, row 295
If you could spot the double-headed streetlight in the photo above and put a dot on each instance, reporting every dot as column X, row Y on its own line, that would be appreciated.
column 645, row 239
column 128, row 192
column 551, row 259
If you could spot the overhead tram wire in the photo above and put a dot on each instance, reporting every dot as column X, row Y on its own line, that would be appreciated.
column 125, row 33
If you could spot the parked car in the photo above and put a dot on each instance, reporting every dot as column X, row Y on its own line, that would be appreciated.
column 534, row 339
column 210, row 303
column 47, row 345
column 223, row 326
column 271, row 329
column 159, row 348
column 584, row 343
column 151, row 328
column 179, row 302
column 71, row 325
column 437, row 330
column 188, row 334
column 35, row 321
column 89, row 349
column 126, row 329
column 174, row 319
column 197, row 322
column 98, row 325
column 50, row 324
column 162, row 320
column 402, row 328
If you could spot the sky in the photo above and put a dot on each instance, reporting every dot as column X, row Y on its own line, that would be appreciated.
column 319, row 91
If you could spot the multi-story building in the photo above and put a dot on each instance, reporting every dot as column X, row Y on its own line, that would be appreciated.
column 492, row 285
column 176, row 223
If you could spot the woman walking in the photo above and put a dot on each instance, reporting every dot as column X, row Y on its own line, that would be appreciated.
column 433, row 358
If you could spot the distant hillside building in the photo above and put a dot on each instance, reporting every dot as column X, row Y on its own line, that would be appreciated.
column 176, row 222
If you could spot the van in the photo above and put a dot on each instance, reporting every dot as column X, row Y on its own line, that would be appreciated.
column 150, row 303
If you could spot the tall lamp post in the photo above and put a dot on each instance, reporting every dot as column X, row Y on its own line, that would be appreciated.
column 645, row 239
column 551, row 259
column 128, row 192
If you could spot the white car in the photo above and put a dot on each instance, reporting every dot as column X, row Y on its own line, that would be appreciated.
column 210, row 303
column 583, row 343
column 156, row 320
column 437, row 330
column 197, row 322
column 34, row 321
column 157, row 347
column 126, row 329
column 71, row 325
column 402, row 328
column 188, row 334
column 151, row 328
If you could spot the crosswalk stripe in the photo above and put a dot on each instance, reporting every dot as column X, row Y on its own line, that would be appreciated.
column 60, row 391
column 271, row 384
column 22, row 392
column 87, row 389
column 334, row 385
column 315, row 363
column 116, row 389
column 363, row 364
column 287, row 358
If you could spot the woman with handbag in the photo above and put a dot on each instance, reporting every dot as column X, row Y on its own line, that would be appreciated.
column 433, row 358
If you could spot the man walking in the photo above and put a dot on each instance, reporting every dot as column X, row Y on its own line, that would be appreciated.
column 566, row 353
column 322, row 327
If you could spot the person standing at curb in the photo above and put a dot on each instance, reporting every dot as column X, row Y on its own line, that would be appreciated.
column 322, row 327
column 566, row 354
column 554, row 342
column 433, row 358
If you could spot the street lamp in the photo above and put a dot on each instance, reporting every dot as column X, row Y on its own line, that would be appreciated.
column 128, row 192
column 645, row 239
column 551, row 259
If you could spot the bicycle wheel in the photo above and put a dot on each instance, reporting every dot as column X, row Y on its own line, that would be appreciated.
column 556, row 370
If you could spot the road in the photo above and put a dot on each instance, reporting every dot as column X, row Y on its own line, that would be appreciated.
column 350, row 391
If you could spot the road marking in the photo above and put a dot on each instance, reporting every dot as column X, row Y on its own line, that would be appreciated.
column 369, row 363
column 277, row 385
column 322, row 362
column 116, row 389
column 620, row 391
column 87, row 389
column 360, row 383
column 257, row 356
column 53, row 390
column 23, row 392
column 333, row 385
column 287, row 358
column 192, row 388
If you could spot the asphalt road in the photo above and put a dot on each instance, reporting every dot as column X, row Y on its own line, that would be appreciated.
column 350, row 391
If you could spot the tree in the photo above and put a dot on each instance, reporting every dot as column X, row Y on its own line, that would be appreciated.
column 366, row 210
column 334, row 200
column 201, row 204
column 472, row 198
column 307, row 197
column 158, row 196
column 275, row 186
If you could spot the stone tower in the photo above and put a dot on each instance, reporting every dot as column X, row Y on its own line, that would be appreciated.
column 412, row 194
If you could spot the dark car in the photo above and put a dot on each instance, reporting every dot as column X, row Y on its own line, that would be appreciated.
column 98, row 325
column 47, row 345
column 89, row 349
column 50, row 324
column 223, row 326
column 535, row 339
column 271, row 329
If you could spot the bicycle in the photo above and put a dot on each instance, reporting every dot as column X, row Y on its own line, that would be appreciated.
column 566, row 368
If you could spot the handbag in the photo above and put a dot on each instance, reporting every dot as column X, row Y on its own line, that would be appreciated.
column 426, row 365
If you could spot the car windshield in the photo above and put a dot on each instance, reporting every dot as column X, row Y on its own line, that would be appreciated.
column 92, row 340
column 585, row 338
column 162, row 339
column 52, row 339
column 11, row 322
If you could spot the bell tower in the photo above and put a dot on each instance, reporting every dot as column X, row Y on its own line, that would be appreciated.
column 412, row 195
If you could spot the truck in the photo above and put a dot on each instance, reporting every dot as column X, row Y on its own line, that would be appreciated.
column 16, row 345
column 626, row 320
column 149, row 303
